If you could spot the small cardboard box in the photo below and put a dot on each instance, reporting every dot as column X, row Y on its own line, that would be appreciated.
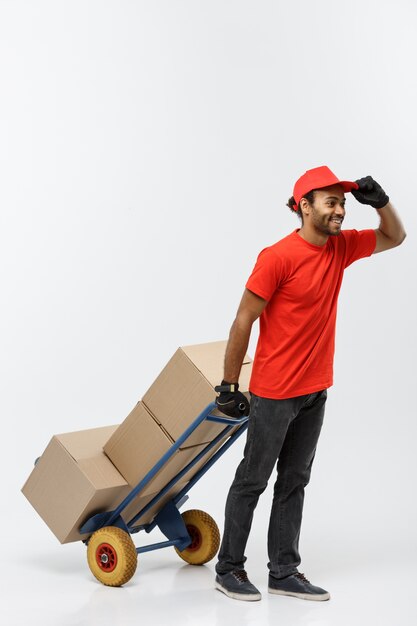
column 186, row 386
column 73, row 480
column 138, row 444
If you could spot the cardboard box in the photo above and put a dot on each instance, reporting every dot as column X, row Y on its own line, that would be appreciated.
column 186, row 386
column 138, row 444
column 73, row 480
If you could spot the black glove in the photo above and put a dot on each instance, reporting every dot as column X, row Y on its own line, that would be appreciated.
column 231, row 401
column 370, row 192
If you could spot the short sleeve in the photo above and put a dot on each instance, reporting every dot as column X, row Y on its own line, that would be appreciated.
column 359, row 244
column 266, row 275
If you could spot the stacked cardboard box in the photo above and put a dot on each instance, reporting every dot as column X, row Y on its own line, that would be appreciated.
column 84, row 473
column 73, row 480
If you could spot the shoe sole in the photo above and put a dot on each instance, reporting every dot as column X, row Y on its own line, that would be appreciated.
column 303, row 596
column 247, row 597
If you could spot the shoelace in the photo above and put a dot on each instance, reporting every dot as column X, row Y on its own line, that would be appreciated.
column 241, row 576
column 302, row 577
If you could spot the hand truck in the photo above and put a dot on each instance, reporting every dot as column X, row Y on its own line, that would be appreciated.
column 111, row 553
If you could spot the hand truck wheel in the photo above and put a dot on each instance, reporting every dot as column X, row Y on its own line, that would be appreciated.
column 205, row 537
column 111, row 556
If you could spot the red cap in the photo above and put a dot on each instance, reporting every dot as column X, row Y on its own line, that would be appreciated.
column 318, row 178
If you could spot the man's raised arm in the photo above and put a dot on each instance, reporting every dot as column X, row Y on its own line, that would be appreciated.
column 390, row 232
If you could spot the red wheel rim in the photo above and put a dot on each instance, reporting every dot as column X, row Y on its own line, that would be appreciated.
column 106, row 557
column 196, row 539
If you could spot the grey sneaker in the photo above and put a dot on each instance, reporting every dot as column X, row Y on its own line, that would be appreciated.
column 237, row 585
column 298, row 586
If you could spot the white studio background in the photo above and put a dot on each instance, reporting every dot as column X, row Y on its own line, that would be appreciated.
column 147, row 150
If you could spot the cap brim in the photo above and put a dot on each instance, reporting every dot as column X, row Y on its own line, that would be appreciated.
column 348, row 185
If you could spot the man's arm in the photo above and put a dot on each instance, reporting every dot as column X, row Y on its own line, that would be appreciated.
column 390, row 232
column 250, row 308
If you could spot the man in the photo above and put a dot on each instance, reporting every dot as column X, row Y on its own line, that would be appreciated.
column 293, row 289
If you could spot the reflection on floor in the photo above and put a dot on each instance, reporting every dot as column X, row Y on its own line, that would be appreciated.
column 54, row 587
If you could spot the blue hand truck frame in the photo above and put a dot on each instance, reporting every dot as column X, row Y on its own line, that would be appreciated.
column 169, row 519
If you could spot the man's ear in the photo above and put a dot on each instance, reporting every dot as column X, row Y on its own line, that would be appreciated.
column 304, row 206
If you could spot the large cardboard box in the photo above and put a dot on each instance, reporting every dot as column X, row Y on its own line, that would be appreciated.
column 186, row 386
column 73, row 480
column 139, row 443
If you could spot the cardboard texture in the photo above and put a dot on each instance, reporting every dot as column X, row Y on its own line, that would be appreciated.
column 186, row 386
column 138, row 444
column 73, row 480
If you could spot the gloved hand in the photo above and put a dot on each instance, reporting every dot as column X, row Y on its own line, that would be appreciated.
column 231, row 401
column 370, row 192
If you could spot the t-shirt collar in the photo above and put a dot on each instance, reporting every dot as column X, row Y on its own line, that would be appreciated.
column 307, row 243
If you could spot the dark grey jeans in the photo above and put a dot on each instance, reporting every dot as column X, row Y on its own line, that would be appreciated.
column 282, row 432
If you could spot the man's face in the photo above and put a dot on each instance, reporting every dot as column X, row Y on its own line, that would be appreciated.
column 328, row 210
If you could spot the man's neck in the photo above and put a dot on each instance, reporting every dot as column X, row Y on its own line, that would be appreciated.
column 313, row 236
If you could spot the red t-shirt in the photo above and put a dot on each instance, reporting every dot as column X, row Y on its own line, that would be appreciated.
column 301, row 282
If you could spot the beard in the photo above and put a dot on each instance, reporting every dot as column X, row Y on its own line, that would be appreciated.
column 322, row 224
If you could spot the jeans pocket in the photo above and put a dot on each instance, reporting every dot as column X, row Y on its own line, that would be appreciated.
column 313, row 397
